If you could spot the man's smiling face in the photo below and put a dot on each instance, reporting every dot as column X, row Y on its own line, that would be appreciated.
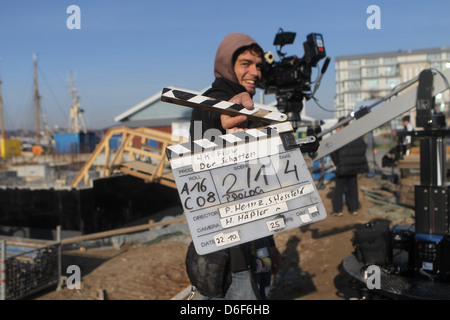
column 248, row 70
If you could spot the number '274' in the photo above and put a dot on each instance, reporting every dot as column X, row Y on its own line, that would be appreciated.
column 260, row 174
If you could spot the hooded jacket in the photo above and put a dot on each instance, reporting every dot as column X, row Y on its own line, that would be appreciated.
column 351, row 158
column 225, row 85
column 223, row 63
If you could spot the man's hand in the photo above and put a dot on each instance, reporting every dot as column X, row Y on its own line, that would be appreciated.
column 229, row 122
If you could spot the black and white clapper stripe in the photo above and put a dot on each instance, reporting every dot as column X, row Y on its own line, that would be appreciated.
column 228, row 140
column 188, row 99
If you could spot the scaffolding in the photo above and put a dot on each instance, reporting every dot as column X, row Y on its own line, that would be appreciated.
column 142, row 153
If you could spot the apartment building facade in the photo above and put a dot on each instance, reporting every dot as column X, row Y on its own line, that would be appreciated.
column 371, row 76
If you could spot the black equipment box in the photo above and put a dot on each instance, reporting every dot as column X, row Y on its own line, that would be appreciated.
column 432, row 256
column 373, row 243
column 432, row 210
column 402, row 248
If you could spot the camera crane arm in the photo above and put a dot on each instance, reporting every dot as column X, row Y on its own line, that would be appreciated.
column 367, row 121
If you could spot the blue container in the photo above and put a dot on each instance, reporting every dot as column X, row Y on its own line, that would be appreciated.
column 87, row 142
column 66, row 143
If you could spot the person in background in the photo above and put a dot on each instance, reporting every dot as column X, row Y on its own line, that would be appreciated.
column 350, row 160
column 407, row 126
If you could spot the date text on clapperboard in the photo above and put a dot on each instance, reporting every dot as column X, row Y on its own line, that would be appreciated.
column 242, row 186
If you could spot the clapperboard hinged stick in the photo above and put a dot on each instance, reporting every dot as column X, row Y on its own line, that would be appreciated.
column 192, row 100
column 245, row 185
column 188, row 99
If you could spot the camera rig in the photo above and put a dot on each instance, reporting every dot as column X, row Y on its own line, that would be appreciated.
column 417, row 261
column 290, row 78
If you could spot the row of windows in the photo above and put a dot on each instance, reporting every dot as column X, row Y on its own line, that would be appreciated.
column 442, row 57
column 371, row 72
column 386, row 71
column 369, row 62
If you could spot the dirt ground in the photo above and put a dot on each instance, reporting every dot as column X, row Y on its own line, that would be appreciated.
column 311, row 260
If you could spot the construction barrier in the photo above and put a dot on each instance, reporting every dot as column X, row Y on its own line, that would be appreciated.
column 27, row 266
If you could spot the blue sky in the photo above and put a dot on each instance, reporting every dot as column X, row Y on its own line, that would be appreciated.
column 127, row 51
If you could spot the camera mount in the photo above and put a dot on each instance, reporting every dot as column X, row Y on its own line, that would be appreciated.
column 290, row 78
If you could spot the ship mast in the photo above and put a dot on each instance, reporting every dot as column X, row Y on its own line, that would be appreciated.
column 36, row 99
column 76, row 122
column 2, row 122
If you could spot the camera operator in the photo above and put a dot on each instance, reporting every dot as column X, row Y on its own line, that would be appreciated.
column 237, row 70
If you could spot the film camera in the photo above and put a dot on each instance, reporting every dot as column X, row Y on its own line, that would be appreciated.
column 290, row 78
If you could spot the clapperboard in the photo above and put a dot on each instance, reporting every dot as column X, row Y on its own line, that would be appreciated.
column 244, row 185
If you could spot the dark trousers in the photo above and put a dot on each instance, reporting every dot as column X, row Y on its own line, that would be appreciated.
column 347, row 185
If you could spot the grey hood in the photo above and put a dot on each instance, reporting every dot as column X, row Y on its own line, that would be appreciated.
column 223, row 64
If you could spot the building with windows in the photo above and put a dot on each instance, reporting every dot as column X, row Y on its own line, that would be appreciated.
column 371, row 76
